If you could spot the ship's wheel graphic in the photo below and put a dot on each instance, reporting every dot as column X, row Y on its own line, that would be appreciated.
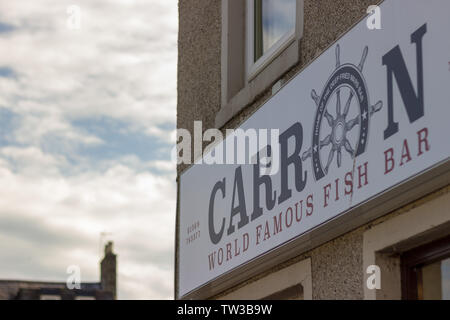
column 346, row 79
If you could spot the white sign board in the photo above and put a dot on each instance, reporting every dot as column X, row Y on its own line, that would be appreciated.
column 369, row 113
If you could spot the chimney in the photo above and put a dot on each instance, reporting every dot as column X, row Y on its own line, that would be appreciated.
column 108, row 270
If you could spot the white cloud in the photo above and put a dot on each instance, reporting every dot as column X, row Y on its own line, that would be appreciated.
column 32, row 160
column 165, row 166
column 55, row 202
column 137, row 208
column 121, row 64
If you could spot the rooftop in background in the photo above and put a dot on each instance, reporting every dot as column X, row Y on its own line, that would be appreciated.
column 39, row 290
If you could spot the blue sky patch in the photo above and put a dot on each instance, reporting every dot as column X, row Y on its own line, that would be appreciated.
column 8, row 120
column 5, row 27
column 120, row 140
column 7, row 72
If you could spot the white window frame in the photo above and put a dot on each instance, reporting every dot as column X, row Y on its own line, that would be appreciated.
column 298, row 273
column 241, row 82
column 253, row 68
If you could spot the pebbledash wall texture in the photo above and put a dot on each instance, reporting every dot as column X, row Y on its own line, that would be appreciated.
column 337, row 267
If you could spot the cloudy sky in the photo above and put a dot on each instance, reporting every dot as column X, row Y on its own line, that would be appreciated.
column 87, row 119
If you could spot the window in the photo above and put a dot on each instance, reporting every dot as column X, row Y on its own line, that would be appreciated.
column 426, row 272
column 271, row 26
column 260, row 43
column 389, row 244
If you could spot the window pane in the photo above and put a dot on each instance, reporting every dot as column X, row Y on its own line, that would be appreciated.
column 434, row 281
column 273, row 20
